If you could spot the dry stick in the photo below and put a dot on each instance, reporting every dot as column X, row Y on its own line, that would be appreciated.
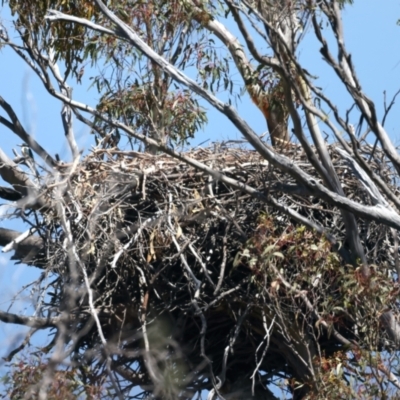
column 246, row 34
column 144, row 299
column 268, row 337
column 386, row 112
column 12, row 245
column 223, row 263
column 197, row 287
column 76, row 259
column 198, row 258
column 12, row 174
column 66, row 113
column 133, row 239
column 226, row 293
column 19, row 130
column 33, row 322
column 222, row 376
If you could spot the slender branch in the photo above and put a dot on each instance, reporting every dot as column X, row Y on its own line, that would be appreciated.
column 15, row 242
column 66, row 113
column 345, row 72
column 247, row 37
column 18, row 129
column 10, row 173
column 75, row 259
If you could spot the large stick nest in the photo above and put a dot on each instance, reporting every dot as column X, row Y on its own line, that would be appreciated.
column 183, row 267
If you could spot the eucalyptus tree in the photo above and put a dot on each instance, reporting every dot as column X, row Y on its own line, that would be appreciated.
column 157, row 67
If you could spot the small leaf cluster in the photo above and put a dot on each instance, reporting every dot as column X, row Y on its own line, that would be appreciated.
column 26, row 376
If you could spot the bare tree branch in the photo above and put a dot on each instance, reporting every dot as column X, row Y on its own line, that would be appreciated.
column 18, row 129
column 32, row 322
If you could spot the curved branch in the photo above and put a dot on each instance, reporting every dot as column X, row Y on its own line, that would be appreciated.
column 25, row 251
column 66, row 112
column 19, row 130
column 246, row 35
column 10, row 172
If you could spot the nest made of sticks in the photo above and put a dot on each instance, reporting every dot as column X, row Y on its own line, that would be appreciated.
column 168, row 247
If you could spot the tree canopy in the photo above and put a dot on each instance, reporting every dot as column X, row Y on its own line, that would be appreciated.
column 263, row 268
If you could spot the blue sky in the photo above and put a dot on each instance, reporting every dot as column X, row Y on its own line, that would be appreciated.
column 372, row 37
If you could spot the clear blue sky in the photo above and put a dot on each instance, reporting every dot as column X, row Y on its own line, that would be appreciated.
column 372, row 37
